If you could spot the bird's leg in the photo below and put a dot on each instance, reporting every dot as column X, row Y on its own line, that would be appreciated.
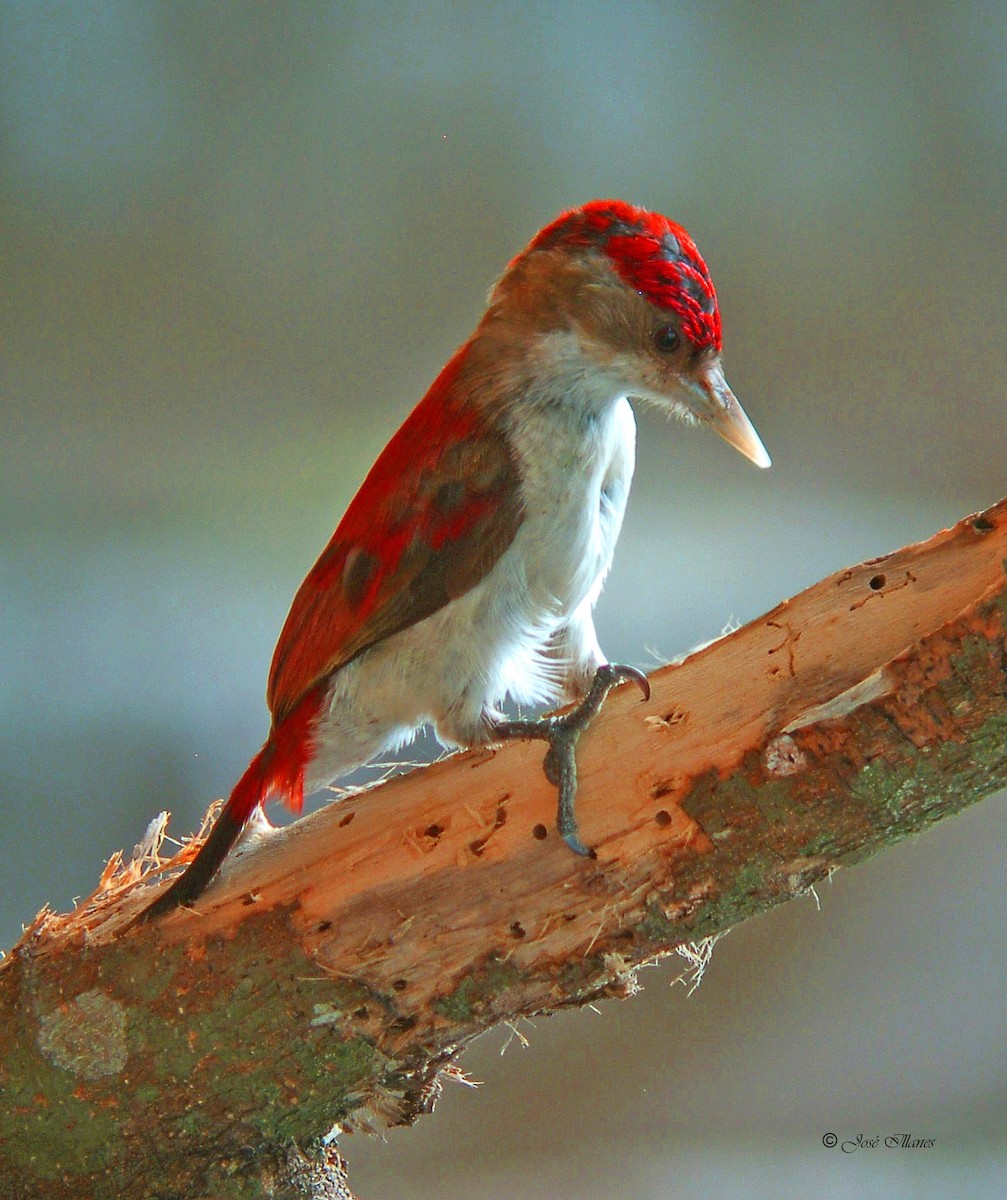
column 562, row 733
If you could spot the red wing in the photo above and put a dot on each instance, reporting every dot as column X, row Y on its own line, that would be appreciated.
column 436, row 511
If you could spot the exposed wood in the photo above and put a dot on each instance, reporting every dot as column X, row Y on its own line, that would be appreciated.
column 334, row 971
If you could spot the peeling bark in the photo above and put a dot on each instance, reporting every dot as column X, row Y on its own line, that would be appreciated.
column 336, row 968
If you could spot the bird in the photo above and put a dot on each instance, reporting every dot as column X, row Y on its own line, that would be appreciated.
column 465, row 571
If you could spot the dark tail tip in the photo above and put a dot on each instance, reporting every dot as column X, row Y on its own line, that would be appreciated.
column 193, row 881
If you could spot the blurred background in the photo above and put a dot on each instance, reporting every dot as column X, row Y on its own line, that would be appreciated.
column 239, row 240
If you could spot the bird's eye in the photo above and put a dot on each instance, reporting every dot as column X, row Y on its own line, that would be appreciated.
column 667, row 338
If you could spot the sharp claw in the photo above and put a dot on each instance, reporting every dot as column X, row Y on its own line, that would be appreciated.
column 620, row 671
column 642, row 682
column 577, row 846
column 566, row 818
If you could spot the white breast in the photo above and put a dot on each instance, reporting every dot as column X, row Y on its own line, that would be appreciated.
column 576, row 476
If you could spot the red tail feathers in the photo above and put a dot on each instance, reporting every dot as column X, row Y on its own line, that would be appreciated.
column 277, row 770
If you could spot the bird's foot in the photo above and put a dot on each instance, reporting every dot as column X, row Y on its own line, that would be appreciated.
column 563, row 733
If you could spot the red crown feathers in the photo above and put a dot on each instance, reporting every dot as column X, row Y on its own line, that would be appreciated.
column 653, row 255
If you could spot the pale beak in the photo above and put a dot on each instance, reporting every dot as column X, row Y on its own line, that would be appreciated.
column 716, row 405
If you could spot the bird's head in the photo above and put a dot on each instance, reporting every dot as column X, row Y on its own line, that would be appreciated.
column 627, row 293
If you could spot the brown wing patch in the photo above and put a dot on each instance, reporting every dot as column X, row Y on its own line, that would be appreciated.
column 359, row 570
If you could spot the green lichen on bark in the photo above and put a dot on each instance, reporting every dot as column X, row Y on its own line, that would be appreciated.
column 206, row 1050
column 746, row 896
column 47, row 1125
column 477, row 993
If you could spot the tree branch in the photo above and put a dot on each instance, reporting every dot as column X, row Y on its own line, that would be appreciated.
column 335, row 970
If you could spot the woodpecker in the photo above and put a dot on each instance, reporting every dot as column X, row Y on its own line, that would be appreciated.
column 466, row 568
